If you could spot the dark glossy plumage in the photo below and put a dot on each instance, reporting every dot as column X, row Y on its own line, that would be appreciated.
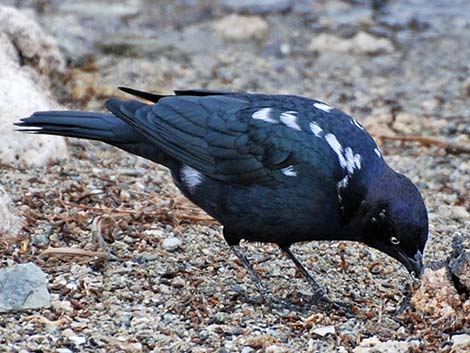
column 278, row 169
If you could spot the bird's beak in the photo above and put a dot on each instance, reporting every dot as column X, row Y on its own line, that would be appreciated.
column 413, row 265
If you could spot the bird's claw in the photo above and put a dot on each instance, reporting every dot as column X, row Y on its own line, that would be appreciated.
column 322, row 302
column 326, row 303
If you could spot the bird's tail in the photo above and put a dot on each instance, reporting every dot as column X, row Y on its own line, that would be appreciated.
column 107, row 128
column 92, row 126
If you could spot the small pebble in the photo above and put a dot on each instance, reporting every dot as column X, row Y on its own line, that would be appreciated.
column 219, row 318
column 171, row 243
column 324, row 330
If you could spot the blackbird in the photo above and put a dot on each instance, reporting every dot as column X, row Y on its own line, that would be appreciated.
column 270, row 168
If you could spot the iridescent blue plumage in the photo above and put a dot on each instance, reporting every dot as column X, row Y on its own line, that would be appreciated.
column 270, row 168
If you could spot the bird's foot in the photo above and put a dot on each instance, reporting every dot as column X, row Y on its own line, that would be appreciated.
column 276, row 303
column 323, row 301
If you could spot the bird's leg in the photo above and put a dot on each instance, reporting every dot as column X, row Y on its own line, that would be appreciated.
column 318, row 292
column 265, row 292
column 319, row 296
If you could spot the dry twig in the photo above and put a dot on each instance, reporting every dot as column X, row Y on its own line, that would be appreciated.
column 103, row 255
column 449, row 147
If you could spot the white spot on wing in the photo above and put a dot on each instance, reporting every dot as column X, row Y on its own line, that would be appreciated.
column 336, row 146
column 316, row 129
column 322, row 106
column 289, row 171
column 342, row 184
column 191, row 177
column 353, row 161
column 377, row 152
column 264, row 114
column 355, row 122
column 347, row 159
column 289, row 119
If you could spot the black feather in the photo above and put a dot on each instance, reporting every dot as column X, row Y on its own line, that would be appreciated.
column 280, row 169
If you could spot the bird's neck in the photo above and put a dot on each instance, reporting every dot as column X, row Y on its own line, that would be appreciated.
column 357, row 218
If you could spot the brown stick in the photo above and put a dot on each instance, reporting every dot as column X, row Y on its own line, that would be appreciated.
column 449, row 147
column 74, row 252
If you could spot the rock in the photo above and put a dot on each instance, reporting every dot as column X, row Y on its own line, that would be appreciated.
column 11, row 222
column 239, row 28
column 274, row 348
column 247, row 350
column 460, row 265
column 23, row 287
column 257, row 7
column 364, row 43
column 324, row 330
column 171, row 243
column 329, row 42
column 460, row 343
column 73, row 338
column 220, row 317
column 361, row 43
column 436, row 296
column 64, row 350
column 374, row 345
column 24, row 86
column 39, row 239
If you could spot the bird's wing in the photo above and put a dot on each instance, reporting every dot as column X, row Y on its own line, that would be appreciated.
column 224, row 137
column 152, row 97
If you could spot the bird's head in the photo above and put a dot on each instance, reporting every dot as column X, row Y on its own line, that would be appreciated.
column 395, row 221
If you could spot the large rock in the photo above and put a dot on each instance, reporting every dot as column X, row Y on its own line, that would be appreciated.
column 23, row 287
column 27, row 57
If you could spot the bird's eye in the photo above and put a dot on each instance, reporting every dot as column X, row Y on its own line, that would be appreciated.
column 395, row 240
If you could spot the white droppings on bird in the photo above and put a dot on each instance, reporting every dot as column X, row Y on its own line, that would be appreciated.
column 322, row 106
column 316, row 129
column 336, row 147
column 289, row 119
column 355, row 122
column 377, row 152
column 289, row 171
column 191, row 177
column 264, row 115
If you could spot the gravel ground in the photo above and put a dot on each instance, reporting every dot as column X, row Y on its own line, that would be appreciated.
column 167, row 282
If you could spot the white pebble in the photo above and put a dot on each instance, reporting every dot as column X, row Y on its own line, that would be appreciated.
column 63, row 350
column 77, row 340
column 324, row 330
column 171, row 243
